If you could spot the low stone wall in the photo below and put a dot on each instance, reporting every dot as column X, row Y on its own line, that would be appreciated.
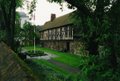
column 78, row 48
column 75, row 47
column 10, row 66
column 56, row 45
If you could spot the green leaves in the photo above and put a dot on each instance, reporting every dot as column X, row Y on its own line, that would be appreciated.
column 2, row 35
column 57, row 1
column 95, row 68
column 32, row 6
column 19, row 3
column 28, row 33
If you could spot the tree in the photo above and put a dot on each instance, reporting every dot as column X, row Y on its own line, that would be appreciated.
column 99, row 24
column 28, row 33
column 8, row 8
column 87, row 13
column 114, row 33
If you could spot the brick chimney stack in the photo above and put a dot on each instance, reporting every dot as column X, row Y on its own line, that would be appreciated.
column 53, row 16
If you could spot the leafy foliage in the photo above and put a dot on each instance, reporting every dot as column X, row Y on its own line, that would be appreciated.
column 2, row 35
column 44, row 73
column 92, row 69
column 35, row 53
column 98, row 24
column 32, row 6
column 27, row 33
column 8, row 10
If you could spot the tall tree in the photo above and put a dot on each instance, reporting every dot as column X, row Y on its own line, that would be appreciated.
column 95, row 23
column 114, row 32
column 28, row 33
column 88, row 11
column 8, row 8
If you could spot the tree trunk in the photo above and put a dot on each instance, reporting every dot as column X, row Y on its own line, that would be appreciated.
column 13, row 24
column 93, row 46
column 9, row 19
column 113, row 55
column 9, row 42
column 113, row 59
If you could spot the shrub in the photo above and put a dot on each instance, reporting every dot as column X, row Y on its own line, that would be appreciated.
column 36, row 53
column 95, row 68
column 45, row 73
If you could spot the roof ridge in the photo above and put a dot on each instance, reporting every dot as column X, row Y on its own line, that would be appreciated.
column 58, row 22
column 60, row 17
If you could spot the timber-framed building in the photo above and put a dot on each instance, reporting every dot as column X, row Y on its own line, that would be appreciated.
column 58, row 34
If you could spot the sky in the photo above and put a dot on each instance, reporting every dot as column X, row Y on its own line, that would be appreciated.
column 44, row 10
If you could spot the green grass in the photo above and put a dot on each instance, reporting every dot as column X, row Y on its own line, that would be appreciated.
column 55, row 68
column 66, row 58
column 51, row 66
column 42, row 68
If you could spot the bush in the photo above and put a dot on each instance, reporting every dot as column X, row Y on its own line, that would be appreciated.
column 36, row 53
column 2, row 35
column 94, row 68
column 44, row 73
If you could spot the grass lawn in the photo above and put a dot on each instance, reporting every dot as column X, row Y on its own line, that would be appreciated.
column 51, row 66
column 66, row 58
column 41, row 67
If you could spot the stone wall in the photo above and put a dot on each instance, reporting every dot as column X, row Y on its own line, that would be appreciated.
column 78, row 48
column 75, row 47
column 10, row 68
column 56, row 45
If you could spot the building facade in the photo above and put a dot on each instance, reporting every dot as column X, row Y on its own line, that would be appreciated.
column 58, row 34
column 23, row 18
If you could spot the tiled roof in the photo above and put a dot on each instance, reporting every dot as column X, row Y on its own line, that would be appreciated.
column 58, row 22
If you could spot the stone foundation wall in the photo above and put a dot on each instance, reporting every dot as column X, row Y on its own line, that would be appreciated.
column 56, row 45
column 78, row 48
column 75, row 47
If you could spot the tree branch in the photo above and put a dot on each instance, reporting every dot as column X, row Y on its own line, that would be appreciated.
column 81, row 7
column 4, row 15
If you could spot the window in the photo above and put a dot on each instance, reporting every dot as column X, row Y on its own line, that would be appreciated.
column 55, row 33
column 65, row 31
column 61, row 34
column 70, row 32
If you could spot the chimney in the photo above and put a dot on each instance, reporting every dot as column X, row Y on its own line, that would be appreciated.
column 53, row 16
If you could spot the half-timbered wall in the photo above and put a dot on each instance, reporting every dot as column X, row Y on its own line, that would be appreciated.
column 60, row 39
column 61, row 33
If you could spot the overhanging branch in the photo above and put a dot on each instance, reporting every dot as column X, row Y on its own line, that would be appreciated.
column 80, row 7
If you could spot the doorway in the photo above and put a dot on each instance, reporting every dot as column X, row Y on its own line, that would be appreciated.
column 67, row 46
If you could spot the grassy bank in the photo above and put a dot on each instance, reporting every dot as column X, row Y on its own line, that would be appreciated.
column 66, row 58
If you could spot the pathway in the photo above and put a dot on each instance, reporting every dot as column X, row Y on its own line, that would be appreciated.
column 46, row 57
column 49, row 57
column 64, row 66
